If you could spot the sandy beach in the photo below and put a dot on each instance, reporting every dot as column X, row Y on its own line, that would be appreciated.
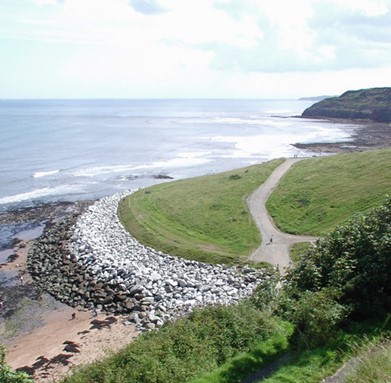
column 39, row 332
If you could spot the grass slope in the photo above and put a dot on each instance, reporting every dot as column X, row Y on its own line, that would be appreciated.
column 204, row 218
column 320, row 193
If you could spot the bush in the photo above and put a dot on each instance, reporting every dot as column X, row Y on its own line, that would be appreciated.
column 264, row 296
column 186, row 348
column 354, row 262
column 7, row 375
column 316, row 317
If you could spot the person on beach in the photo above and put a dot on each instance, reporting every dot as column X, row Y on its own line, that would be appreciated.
column 1, row 305
column 94, row 312
column 73, row 316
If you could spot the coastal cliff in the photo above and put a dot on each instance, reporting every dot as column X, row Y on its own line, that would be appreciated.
column 366, row 104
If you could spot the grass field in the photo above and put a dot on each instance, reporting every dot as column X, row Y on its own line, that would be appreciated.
column 320, row 193
column 204, row 218
column 207, row 218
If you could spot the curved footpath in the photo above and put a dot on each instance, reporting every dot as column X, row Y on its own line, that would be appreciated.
column 277, row 251
column 90, row 260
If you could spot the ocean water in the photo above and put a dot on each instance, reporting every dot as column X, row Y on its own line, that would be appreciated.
column 65, row 150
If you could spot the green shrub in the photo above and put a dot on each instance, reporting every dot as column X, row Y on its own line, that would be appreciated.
column 264, row 296
column 7, row 375
column 354, row 262
column 316, row 316
column 191, row 346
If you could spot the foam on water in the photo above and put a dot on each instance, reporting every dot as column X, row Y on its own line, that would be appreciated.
column 46, row 173
column 100, row 147
column 38, row 193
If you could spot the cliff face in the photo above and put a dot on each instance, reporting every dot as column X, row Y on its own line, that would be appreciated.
column 365, row 104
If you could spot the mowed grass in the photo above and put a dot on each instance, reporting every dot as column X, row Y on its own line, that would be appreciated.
column 204, row 218
column 319, row 193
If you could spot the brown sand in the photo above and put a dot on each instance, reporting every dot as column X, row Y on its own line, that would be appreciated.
column 58, row 343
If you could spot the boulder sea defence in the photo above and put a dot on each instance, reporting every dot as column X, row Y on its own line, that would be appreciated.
column 92, row 261
column 365, row 104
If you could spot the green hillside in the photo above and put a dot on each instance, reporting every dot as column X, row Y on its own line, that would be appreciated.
column 204, row 218
column 207, row 218
column 319, row 193
column 368, row 104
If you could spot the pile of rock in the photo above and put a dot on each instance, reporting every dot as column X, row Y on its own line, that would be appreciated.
column 93, row 261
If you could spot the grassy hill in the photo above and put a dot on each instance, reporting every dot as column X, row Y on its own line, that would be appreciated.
column 204, row 218
column 320, row 193
column 369, row 104
column 207, row 218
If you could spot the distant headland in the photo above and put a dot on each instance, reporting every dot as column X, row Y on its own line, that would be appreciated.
column 372, row 104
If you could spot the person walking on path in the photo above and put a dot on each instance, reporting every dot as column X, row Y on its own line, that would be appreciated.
column 278, row 254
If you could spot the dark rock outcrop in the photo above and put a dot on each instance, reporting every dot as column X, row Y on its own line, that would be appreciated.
column 366, row 104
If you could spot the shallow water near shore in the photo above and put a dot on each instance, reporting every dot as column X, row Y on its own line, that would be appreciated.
column 68, row 150
column 25, row 231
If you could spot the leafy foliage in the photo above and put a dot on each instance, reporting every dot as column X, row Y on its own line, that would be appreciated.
column 354, row 262
column 7, row 375
column 186, row 348
column 316, row 317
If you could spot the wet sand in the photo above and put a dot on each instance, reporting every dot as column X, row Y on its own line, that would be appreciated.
column 38, row 332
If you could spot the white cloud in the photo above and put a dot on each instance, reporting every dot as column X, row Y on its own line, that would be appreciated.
column 369, row 8
column 45, row 2
column 203, row 47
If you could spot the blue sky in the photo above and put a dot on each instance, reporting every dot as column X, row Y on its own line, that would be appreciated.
column 192, row 48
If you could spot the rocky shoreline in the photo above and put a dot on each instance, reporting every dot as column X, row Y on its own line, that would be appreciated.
column 366, row 135
column 90, row 261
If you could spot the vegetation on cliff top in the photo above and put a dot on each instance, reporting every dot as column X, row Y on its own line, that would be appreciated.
column 315, row 319
column 365, row 104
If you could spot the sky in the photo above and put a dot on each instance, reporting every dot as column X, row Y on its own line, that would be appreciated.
column 192, row 48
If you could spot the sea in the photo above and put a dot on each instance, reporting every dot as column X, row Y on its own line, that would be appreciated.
column 67, row 150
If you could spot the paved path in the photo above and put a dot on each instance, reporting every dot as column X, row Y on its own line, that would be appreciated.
column 277, row 252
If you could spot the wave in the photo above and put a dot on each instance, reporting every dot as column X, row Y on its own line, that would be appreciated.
column 100, row 170
column 226, row 121
column 38, row 193
column 45, row 174
column 186, row 159
column 177, row 162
